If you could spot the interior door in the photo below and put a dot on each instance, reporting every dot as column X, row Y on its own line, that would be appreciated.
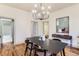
column 46, row 28
column 34, row 28
column 6, row 30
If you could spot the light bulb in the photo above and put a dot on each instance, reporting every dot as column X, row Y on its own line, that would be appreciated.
column 48, row 12
column 49, row 7
column 42, row 8
column 39, row 14
column 34, row 11
column 43, row 12
column 35, row 5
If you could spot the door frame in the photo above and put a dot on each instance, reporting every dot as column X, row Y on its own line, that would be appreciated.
column 12, row 30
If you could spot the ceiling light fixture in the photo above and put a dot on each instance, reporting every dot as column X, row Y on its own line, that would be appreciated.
column 41, row 12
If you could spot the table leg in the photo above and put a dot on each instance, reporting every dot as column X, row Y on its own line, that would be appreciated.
column 63, row 52
column 25, row 51
column 53, row 54
column 44, row 52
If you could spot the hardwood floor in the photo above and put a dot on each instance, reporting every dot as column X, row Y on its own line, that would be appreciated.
column 19, row 50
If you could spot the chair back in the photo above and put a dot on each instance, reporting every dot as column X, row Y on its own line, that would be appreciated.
column 57, row 40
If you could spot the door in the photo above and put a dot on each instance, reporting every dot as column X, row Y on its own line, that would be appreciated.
column 40, row 28
column 6, row 31
column 34, row 28
column 46, row 28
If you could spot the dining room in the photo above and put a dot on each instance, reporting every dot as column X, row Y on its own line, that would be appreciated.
column 39, row 29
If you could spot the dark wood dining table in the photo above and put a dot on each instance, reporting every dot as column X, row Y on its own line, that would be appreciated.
column 52, row 46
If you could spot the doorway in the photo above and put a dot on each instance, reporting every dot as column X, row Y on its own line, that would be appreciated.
column 6, row 30
column 40, row 28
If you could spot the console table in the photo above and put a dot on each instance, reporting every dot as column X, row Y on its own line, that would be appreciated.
column 66, row 37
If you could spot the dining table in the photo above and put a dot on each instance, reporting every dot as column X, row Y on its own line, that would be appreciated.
column 52, row 46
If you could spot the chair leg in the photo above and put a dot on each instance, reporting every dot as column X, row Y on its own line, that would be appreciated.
column 25, row 50
column 31, row 49
column 30, row 52
column 61, row 53
column 35, row 52
column 53, row 54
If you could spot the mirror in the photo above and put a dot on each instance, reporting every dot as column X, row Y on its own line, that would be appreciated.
column 62, row 25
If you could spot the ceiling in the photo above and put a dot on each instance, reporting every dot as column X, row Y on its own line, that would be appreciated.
column 29, row 6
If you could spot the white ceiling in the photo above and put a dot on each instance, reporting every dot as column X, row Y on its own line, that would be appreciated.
column 30, row 6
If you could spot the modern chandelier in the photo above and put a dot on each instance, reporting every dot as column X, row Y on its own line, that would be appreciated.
column 41, row 11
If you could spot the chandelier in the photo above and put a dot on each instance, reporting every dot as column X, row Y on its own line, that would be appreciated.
column 41, row 12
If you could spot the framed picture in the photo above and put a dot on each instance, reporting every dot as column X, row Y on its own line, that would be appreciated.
column 62, row 25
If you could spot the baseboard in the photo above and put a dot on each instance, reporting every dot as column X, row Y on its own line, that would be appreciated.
column 74, row 48
column 20, row 44
column 17, row 44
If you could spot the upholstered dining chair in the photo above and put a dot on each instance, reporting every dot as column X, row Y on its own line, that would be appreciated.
column 38, row 51
column 57, row 40
column 28, row 47
column 60, row 41
column 30, row 44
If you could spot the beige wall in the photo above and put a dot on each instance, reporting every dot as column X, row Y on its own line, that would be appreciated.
column 73, row 13
column 22, row 24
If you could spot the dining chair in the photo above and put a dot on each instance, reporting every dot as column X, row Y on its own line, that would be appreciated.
column 28, row 47
column 37, row 41
column 30, row 44
column 38, row 51
column 34, row 46
column 59, row 41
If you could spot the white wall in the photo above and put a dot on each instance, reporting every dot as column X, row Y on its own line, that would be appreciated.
column 22, row 24
column 73, row 13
